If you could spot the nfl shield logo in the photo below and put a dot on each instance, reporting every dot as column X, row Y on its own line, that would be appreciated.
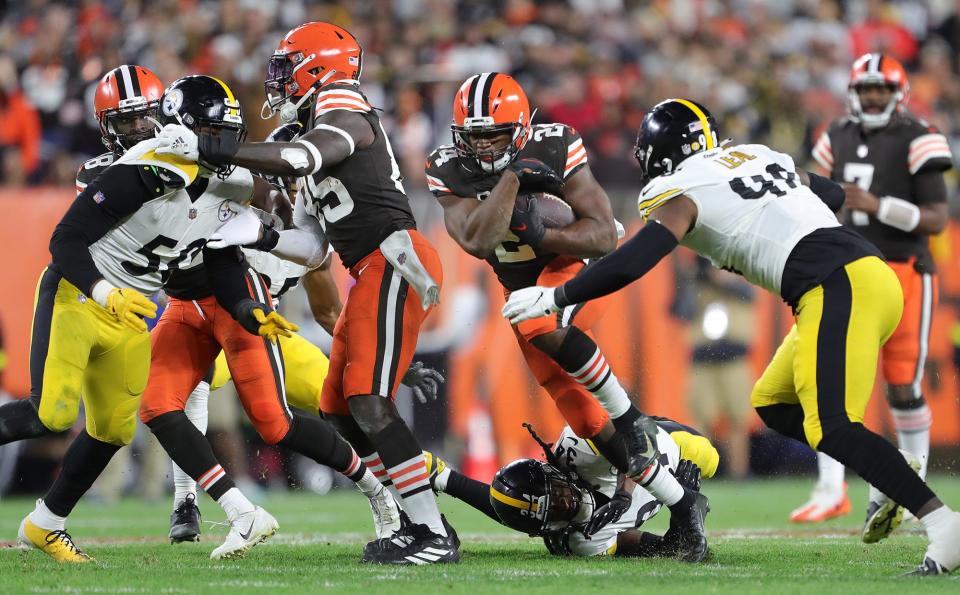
column 192, row 214
column 99, row 197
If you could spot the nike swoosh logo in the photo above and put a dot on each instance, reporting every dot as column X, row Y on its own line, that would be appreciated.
column 519, row 228
column 246, row 536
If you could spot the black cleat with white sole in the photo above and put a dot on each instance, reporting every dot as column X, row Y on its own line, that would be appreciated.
column 929, row 567
column 687, row 537
column 185, row 521
column 417, row 546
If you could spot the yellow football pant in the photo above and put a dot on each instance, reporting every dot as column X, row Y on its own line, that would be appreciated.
column 305, row 367
column 828, row 361
column 78, row 348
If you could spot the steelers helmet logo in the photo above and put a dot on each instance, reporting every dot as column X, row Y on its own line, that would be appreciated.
column 172, row 102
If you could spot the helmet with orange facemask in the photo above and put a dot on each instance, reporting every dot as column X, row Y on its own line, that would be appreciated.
column 488, row 107
column 126, row 103
column 877, row 70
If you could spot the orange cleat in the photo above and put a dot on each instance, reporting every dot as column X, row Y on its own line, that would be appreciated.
column 823, row 505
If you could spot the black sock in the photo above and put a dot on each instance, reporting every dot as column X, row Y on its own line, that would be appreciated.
column 576, row 350
column 315, row 438
column 395, row 444
column 624, row 423
column 191, row 451
column 878, row 462
column 473, row 492
column 348, row 428
column 19, row 420
column 85, row 460
column 684, row 504
column 784, row 419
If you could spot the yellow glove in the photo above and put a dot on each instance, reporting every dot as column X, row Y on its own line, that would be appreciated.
column 273, row 325
column 130, row 307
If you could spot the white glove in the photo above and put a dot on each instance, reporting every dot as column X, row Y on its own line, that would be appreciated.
column 241, row 230
column 178, row 140
column 530, row 302
column 424, row 381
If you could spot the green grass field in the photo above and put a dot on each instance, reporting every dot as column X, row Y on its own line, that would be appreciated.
column 754, row 550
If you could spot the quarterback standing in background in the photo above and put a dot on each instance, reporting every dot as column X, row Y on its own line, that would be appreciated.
column 748, row 209
column 891, row 166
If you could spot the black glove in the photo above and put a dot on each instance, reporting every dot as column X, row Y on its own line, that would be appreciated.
column 218, row 147
column 526, row 223
column 535, row 176
column 688, row 474
column 608, row 513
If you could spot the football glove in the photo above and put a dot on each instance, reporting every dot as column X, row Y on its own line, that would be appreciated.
column 130, row 307
column 526, row 222
column 530, row 302
column 218, row 147
column 178, row 140
column 243, row 230
column 258, row 319
column 608, row 513
column 688, row 474
column 424, row 381
column 536, row 176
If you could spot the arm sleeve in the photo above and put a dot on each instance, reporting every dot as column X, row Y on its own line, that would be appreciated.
column 226, row 271
column 114, row 195
column 830, row 192
column 929, row 187
column 623, row 266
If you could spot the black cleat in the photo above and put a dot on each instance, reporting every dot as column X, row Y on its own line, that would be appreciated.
column 185, row 521
column 929, row 568
column 374, row 547
column 641, row 442
column 687, row 538
column 416, row 545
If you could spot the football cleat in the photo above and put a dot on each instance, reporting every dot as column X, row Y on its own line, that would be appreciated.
column 883, row 514
column 56, row 544
column 245, row 532
column 943, row 552
column 824, row 504
column 386, row 513
column 928, row 568
column 416, row 545
column 641, row 441
column 185, row 521
column 435, row 466
column 687, row 536
column 374, row 548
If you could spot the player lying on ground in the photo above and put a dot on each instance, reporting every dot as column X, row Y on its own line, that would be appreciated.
column 749, row 210
column 577, row 502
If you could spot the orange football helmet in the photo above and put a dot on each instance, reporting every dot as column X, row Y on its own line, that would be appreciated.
column 877, row 69
column 126, row 103
column 309, row 57
column 487, row 106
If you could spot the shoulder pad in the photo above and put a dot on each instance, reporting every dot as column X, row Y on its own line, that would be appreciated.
column 172, row 169
column 437, row 168
column 341, row 96
column 92, row 168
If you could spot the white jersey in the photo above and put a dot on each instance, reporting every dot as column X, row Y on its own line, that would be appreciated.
column 582, row 457
column 168, row 232
column 284, row 275
column 752, row 209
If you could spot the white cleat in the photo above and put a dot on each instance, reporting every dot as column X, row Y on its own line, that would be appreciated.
column 245, row 532
column 883, row 514
column 386, row 513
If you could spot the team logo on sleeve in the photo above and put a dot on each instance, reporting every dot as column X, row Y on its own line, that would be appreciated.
column 99, row 197
column 224, row 212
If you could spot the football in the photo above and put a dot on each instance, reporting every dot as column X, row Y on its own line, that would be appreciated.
column 554, row 211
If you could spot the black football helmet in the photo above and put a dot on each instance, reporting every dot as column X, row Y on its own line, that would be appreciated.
column 204, row 104
column 535, row 497
column 672, row 131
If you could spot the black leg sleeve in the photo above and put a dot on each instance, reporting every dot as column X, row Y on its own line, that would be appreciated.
column 315, row 438
column 473, row 492
column 85, row 460
column 785, row 419
column 19, row 420
column 189, row 449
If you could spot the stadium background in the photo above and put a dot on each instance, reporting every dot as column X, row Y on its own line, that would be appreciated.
column 773, row 73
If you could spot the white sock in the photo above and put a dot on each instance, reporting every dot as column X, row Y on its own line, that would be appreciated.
column 661, row 484
column 196, row 411
column 43, row 518
column 913, row 433
column 831, row 473
column 369, row 485
column 442, row 478
column 412, row 481
column 597, row 377
column 234, row 503
column 375, row 465
column 943, row 531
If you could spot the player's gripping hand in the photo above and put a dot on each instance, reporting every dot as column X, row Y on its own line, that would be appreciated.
column 530, row 302
column 424, row 381
column 536, row 176
column 243, row 230
column 688, row 474
column 218, row 146
column 130, row 307
column 258, row 319
column 526, row 222
column 608, row 513
column 178, row 140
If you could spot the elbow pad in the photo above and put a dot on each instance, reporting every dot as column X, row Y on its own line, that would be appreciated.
column 830, row 192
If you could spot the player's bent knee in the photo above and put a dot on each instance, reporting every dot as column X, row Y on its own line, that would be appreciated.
column 273, row 432
column 117, row 436
column 373, row 413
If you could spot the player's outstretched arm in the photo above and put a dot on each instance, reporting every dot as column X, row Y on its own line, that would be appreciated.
column 625, row 265
column 594, row 233
column 831, row 193
column 335, row 136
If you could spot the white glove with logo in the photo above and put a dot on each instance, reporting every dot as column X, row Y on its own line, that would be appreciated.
column 530, row 302
column 178, row 140
column 239, row 231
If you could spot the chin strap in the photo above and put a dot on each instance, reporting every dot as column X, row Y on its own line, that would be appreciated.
column 288, row 111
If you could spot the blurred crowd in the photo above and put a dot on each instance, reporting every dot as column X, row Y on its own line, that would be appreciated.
column 773, row 72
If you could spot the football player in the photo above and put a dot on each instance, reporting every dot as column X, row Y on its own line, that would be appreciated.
column 482, row 181
column 577, row 502
column 352, row 195
column 891, row 165
column 89, row 336
column 749, row 210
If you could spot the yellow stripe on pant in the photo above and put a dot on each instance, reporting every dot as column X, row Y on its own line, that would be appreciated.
column 89, row 353
column 827, row 363
column 305, row 368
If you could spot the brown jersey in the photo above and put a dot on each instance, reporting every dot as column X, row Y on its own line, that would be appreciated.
column 359, row 201
column 92, row 168
column 559, row 146
column 885, row 162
